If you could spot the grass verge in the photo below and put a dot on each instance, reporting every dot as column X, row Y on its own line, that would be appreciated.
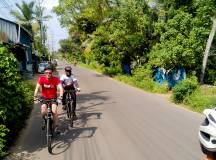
column 203, row 97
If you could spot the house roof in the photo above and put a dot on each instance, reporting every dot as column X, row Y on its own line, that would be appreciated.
column 17, row 25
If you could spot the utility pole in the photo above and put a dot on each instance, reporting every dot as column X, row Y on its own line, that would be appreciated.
column 206, row 53
column 51, row 43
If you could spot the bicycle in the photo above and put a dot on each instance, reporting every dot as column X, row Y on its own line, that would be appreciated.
column 69, row 105
column 48, row 120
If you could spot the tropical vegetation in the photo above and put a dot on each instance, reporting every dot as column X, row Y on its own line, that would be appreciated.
column 16, row 94
column 169, row 34
column 15, row 99
column 31, row 16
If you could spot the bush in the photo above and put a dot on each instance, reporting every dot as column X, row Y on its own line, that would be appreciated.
column 141, row 78
column 142, row 73
column 3, row 133
column 184, row 89
column 198, row 101
column 15, row 99
column 111, row 71
column 210, row 77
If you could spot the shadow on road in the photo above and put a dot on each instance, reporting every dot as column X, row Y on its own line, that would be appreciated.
column 88, row 107
column 34, row 139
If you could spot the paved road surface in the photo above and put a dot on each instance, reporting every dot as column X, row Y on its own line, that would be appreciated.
column 116, row 122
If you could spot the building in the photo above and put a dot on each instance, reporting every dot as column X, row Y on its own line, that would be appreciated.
column 21, row 40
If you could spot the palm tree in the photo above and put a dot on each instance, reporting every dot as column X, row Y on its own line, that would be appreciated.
column 40, row 17
column 39, row 14
column 25, row 14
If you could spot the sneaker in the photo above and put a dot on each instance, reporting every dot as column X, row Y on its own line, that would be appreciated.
column 64, row 107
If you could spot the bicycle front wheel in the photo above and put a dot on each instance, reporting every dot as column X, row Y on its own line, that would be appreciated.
column 71, row 114
column 68, row 110
column 49, row 135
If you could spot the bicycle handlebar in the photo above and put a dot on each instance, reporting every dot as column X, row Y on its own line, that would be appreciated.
column 72, row 90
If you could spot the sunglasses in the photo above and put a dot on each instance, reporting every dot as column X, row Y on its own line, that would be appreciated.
column 48, row 72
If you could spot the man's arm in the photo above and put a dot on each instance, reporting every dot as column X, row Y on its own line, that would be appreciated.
column 76, row 84
column 62, row 80
column 37, row 89
column 61, row 89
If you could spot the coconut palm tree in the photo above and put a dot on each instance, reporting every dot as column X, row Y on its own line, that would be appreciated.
column 40, row 17
column 24, row 14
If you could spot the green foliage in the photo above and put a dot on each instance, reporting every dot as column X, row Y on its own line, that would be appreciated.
column 183, row 89
column 86, row 25
column 171, row 35
column 24, row 14
column 210, row 76
column 70, row 48
column 3, row 132
column 111, row 71
column 142, row 78
column 15, row 97
column 198, row 100
column 181, row 44
column 142, row 73
column 37, row 45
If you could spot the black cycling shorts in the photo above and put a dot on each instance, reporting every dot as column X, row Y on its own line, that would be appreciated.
column 53, row 102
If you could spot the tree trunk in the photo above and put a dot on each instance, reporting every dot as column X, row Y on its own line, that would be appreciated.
column 206, row 53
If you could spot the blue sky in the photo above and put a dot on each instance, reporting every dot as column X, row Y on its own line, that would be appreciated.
column 55, row 31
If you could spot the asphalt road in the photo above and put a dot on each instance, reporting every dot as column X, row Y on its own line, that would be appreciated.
column 116, row 122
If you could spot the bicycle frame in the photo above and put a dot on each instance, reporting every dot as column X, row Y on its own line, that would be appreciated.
column 49, row 122
column 69, row 105
column 49, row 113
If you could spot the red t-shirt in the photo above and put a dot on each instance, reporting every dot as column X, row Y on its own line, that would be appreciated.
column 49, row 86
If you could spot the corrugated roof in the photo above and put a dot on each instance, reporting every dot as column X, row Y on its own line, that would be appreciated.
column 17, row 26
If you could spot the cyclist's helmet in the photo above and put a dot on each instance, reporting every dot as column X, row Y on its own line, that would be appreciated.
column 48, row 67
column 207, row 131
column 68, row 69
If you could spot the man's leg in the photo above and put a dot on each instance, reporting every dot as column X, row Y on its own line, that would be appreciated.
column 64, row 101
column 55, row 114
column 43, row 114
column 43, row 110
column 74, row 106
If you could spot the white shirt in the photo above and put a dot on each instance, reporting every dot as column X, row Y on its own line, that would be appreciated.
column 65, row 79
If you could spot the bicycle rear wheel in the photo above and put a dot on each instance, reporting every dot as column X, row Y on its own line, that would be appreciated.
column 49, row 134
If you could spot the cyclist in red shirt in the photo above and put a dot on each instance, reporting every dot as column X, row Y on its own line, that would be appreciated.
column 48, row 85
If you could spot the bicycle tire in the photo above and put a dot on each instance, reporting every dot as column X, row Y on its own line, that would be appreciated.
column 68, row 110
column 49, row 135
column 72, row 116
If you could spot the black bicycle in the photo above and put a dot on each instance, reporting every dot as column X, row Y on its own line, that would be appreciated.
column 69, row 105
column 48, row 120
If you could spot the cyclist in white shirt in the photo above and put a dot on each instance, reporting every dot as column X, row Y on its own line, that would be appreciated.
column 69, row 82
